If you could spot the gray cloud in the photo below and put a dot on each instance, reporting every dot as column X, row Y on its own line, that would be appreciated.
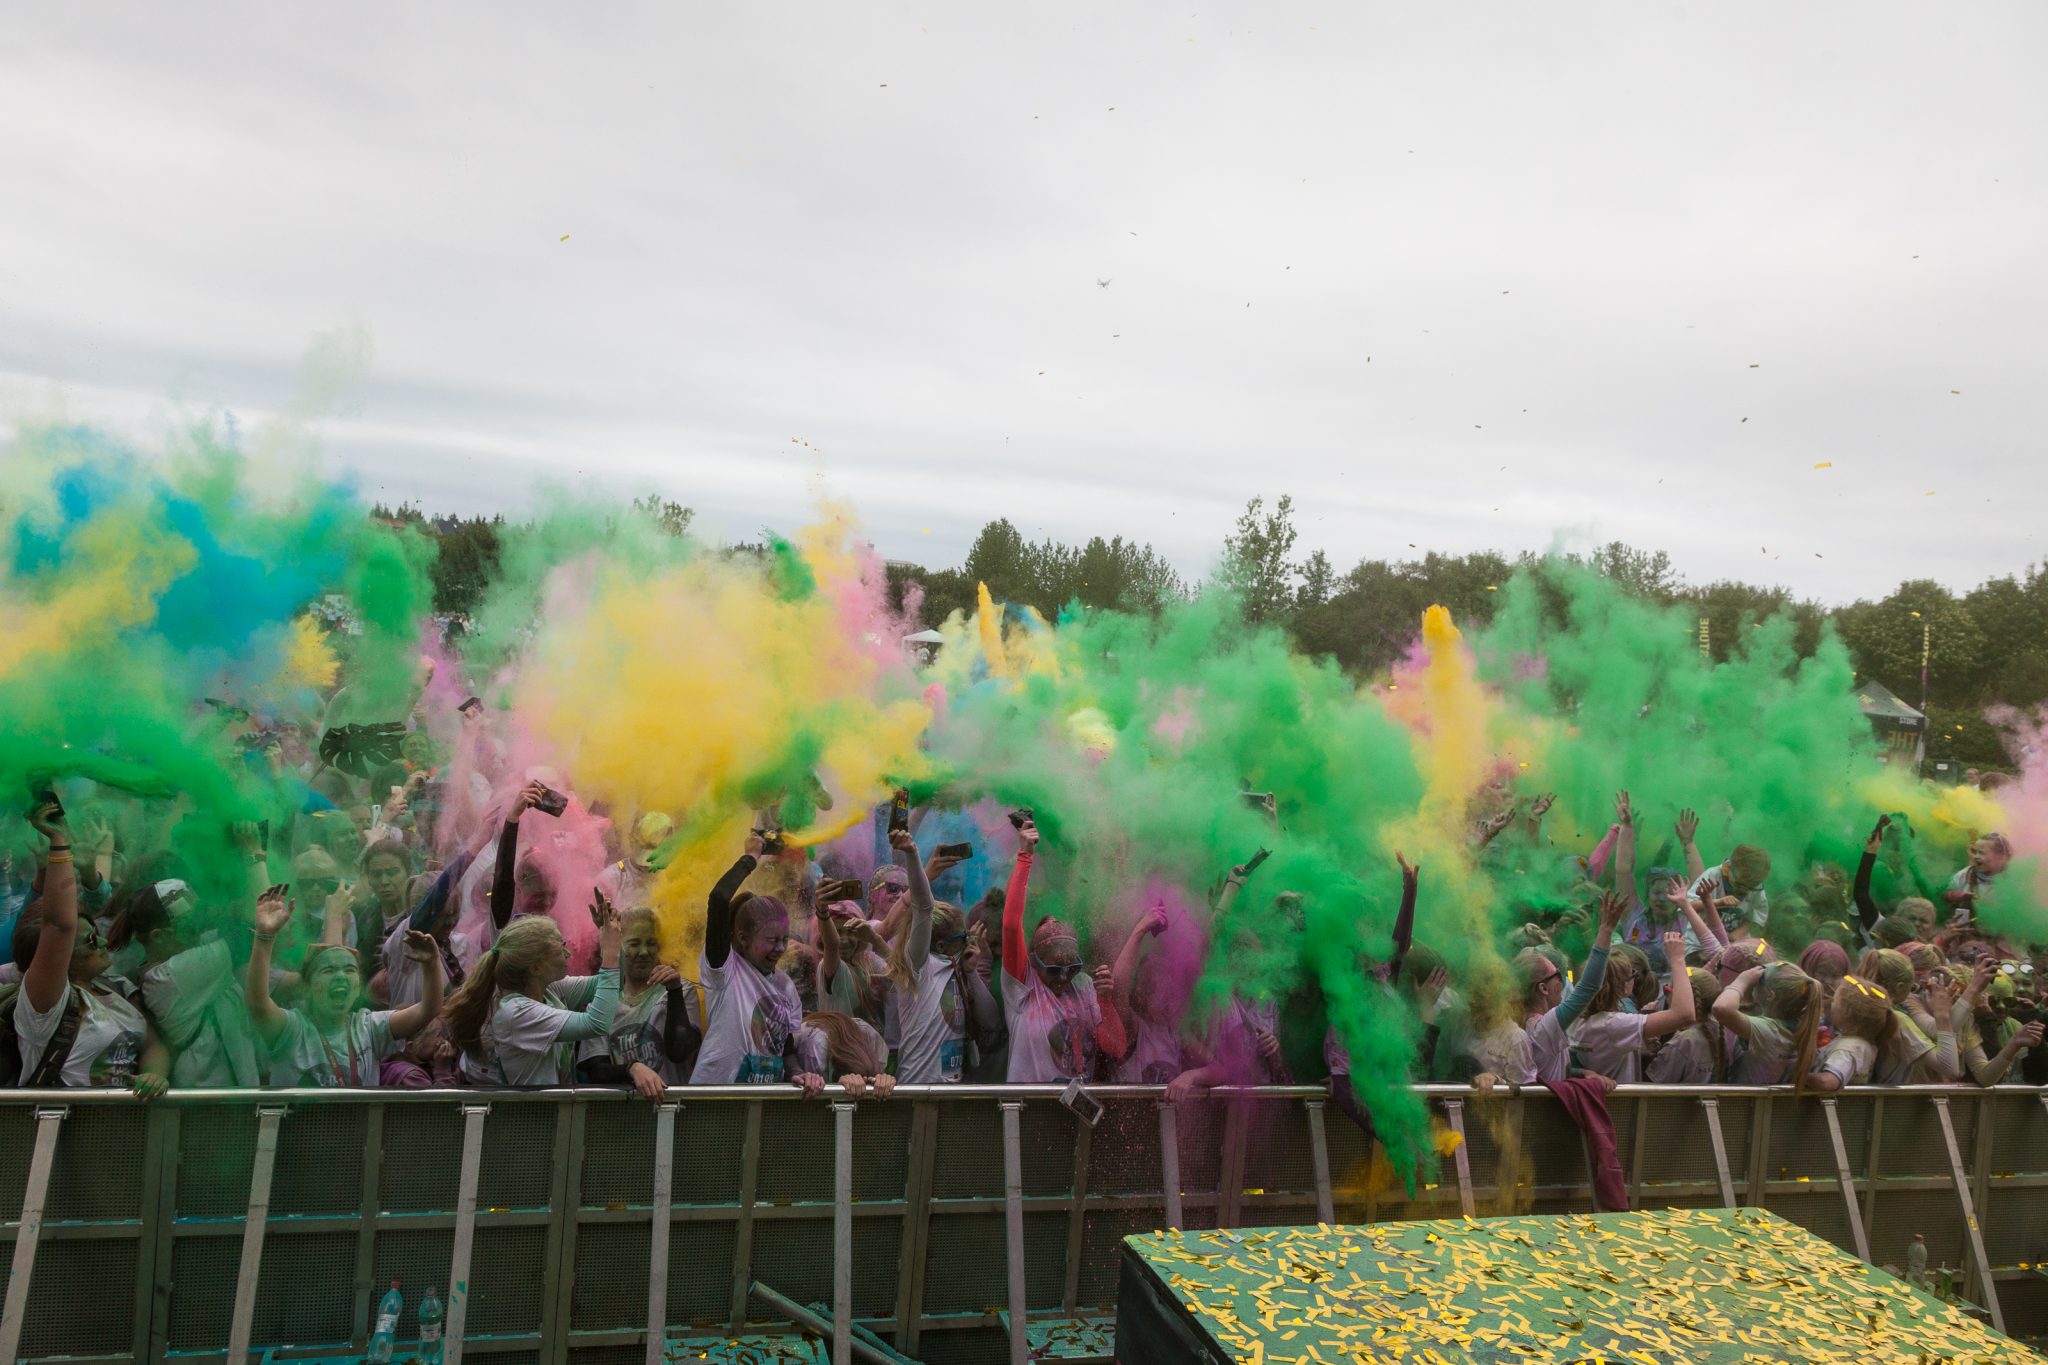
column 1579, row 243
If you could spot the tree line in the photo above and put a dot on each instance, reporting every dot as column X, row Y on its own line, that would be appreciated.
column 1987, row 647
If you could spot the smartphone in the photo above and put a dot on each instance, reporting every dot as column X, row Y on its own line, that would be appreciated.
column 1258, row 801
column 471, row 704
column 551, row 802
column 1085, row 1106
column 956, row 850
column 842, row 889
column 43, row 794
column 1252, row 864
column 1023, row 816
column 771, row 840
column 899, row 811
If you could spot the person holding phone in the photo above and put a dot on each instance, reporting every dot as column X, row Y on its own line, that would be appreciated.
column 1057, row 1026
column 519, row 1014
column 937, row 1000
column 751, row 1009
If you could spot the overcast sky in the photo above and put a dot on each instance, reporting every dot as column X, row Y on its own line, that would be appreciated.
column 1461, row 276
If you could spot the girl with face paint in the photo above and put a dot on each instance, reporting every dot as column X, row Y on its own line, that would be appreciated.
column 654, row 1036
column 326, row 1040
column 751, row 1008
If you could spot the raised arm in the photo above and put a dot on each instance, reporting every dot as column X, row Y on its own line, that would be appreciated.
column 503, row 885
column 49, row 971
column 718, row 909
column 1404, row 918
column 595, row 1020
column 1679, row 1013
column 1689, row 825
column 1711, row 933
column 1624, row 847
column 917, row 948
column 1612, row 907
column 1150, row 924
column 422, row 949
column 1943, row 1062
column 1727, row 1007
column 981, row 1004
column 1866, row 908
column 273, row 913
column 1014, row 900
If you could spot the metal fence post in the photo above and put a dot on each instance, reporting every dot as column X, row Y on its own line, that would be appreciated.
column 1319, row 1161
column 1759, row 1150
column 743, row 1233
column 30, row 1230
column 917, row 1223
column 1712, row 1107
column 842, row 1232
column 366, row 1228
column 1844, row 1180
column 1461, row 1161
column 268, row 1117
column 1169, row 1162
column 1013, row 1220
column 1230, row 1180
column 465, row 1231
column 1977, row 1253
column 663, row 1215
column 1077, row 1216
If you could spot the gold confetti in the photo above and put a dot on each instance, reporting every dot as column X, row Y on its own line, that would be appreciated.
column 1824, row 464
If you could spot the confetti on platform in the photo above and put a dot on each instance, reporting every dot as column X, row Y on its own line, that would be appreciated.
column 1668, row 1287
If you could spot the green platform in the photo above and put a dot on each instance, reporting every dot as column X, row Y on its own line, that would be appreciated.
column 1668, row 1287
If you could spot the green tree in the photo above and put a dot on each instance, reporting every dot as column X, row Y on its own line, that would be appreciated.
column 1887, row 637
column 671, row 517
column 1255, row 560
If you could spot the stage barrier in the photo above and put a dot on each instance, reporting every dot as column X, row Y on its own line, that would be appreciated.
column 218, row 1225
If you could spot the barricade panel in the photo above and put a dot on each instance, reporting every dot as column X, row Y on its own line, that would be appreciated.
column 319, row 1161
column 305, row 1291
column 203, row 1291
column 618, row 1155
column 796, row 1154
column 973, row 1135
column 965, row 1270
column 700, row 1256
column 82, row 1301
column 709, row 1138
column 1123, row 1155
column 509, row 1281
column 610, row 1293
column 518, row 1170
column 215, row 1148
column 97, row 1176
column 423, row 1158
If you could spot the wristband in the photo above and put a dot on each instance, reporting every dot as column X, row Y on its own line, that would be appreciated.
column 63, row 856
column 264, row 938
column 60, row 848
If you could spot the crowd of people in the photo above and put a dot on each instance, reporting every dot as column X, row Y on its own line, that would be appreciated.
column 365, row 949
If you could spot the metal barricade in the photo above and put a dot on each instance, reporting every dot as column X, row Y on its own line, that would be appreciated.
column 566, row 1225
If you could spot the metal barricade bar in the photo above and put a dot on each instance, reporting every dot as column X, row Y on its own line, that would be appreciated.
column 268, row 1119
column 465, row 1231
column 30, row 1230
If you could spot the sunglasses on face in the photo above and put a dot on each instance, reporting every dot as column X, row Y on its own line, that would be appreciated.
column 1060, row 971
column 950, row 941
column 1546, row 980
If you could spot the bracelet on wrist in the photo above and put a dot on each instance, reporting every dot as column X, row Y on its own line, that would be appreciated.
column 56, row 858
column 265, row 938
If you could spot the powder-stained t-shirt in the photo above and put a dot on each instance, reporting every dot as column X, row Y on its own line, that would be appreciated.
column 749, row 1022
column 1766, row 1056
column 1052, row 1036
column 1850, row 1059
column 1611, row 1044
column 930, row 1025
column 106, row 1050
column 351, row 1056
column 640, row 1033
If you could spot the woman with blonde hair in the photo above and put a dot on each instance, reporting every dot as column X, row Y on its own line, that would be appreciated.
column 518, row 1014
column 1780, row 1031
column 1697, row 1055
column 1922, row 1048
column 1863, row 1019
column 845, row 1049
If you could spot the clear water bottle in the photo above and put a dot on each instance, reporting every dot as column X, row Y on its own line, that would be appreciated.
column 386, row 1335
column 430, row 1329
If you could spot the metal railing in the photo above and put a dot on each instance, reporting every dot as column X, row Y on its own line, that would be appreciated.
column 590, row 1225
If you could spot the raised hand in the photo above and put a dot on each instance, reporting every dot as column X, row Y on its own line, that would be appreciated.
column 2030, row 1036
column 1674, row 951
column 48, row 820
column 903, row 841
column 421, row 947
column 1542, row 805
column 1027, row 837
column 1623, row 813
column 1104, row 981
column 1687, row 826
column 664, row 976
column 1408, row 869
column 1875, row 843
column 1613, row 905
column 1154, row 922
column 273, row 910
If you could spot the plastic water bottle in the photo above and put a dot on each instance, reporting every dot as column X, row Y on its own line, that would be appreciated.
column 386, row 1335
column 430, row 1329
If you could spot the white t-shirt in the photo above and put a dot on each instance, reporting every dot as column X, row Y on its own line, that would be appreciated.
column 1898, row 1061
column 814, row 1049
column 640, row 1033
column 351, row 1057
column 1687, row 1058
column 1850, row 1059
column 1052, row 1037
column 1754, row 912
column 1766, row 1056
column 749, row 1022
column 1611, row 1044
column 929, row 1023
column 108, row 1047
column 1524, row 1054
column 196, row 999
column 526, row 1030
column 1155, row 1055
